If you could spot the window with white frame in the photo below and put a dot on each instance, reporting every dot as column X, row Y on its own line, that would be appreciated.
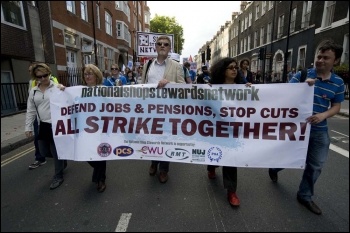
column 305, row 20
column 262, row 32
column 110, row 56
column 242, row 46
column 263, row 7
column 246, row 22
column 139, row 7
column 250, row 19
column 70, row 6
column 329, row 13
column 270, row 5
column 301, row 56
column 100, row 56
column 245, row 44
column 268, row 35
column 98, row 16
column 292, row 20
column 124, row 7
column 280, row 26
column 255, row 39
column 83, row 9
column 248, row 46
column 108, row 20
column 236, row 49
column 123, row 31
column 257, row 12
column 242, row 25
column 12, row 14
column 147, row 18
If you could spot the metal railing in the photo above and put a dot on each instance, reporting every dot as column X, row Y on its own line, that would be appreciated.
column 14, row 97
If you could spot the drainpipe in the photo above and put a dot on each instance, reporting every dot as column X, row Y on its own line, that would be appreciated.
column 94, row 31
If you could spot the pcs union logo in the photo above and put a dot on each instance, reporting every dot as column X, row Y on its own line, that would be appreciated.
column 123, row 151
column 214, row 154
column 104, row 150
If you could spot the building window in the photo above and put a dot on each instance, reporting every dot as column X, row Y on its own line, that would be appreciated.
column 98, row 16
column 268, row 36
column 257, row 12
column 301, row 61
column 292, row 20
column 280, row 26
column 256, row 39
column 123, row 32
column 70, row 6
column 100, row 56
column 270, row 5
column 329, row 13
column 83, row 9
column 345, row 57
column 262, row 32
column 110, row 59
column 248, row 42
column 12, row 13
column 250, row 19
column 263, row 7
column 246, row 22
column 306, row 14
column 108, row 19
column 70, row 39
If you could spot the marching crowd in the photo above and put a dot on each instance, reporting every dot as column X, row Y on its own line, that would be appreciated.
column 328, row 89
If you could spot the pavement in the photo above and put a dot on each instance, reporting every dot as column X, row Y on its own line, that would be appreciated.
column 13, row 137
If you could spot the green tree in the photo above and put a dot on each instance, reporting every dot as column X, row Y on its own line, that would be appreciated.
column 167, row 25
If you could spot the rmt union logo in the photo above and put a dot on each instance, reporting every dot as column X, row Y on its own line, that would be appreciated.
column 177, row 153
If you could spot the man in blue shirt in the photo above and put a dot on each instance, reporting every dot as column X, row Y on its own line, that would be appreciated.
column 328, row 95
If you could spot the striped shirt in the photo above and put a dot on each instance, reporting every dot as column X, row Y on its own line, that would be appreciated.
column 326, row 92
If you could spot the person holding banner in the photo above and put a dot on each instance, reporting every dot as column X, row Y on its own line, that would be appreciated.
column 92, row 76
column 225, row 71
column 38, row 106
column 162, row 71
column 328, row 95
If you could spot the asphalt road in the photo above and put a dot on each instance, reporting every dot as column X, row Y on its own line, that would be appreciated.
column 188, row 202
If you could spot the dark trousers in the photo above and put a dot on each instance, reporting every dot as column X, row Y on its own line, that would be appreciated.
column 38, row 156
column 163, row 166
column 229, row 176
column 99, row 173
column 47, row 147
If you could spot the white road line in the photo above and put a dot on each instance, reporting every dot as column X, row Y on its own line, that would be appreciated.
column 339, row 150
column 340, row 133
column 123, row 222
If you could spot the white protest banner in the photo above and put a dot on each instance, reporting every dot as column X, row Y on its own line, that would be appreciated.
column 233, row 125
column 146, row 43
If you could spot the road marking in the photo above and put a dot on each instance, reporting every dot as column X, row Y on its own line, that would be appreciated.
column 339, row 150
column 123, row 222
column 16, row 156
column 340, row 133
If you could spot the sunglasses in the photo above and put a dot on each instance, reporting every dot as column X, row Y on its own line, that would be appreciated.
column 42, row 76
column 114, row 69
column 163, row 44
column 232, row 68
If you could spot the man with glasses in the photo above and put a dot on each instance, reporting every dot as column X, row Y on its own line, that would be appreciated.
column 162, row 70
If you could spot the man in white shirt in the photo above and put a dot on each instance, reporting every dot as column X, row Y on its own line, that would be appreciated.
column 162, row 71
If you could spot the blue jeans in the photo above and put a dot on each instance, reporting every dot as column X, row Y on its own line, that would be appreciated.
column 317, row 154
column 38, row 156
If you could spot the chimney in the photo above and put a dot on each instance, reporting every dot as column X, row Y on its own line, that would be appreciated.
column 243, row 5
